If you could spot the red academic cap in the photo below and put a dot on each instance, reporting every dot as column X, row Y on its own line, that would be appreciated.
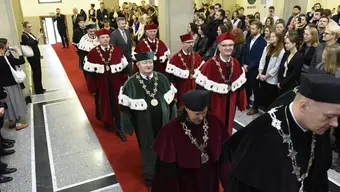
column 151, row 26
column 187, row 37
column 225, row 36
column 102, row 32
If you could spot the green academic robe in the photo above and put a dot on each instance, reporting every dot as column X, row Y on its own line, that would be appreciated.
column 137, row 114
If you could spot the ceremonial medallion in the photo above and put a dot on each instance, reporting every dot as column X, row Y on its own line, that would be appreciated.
column 107, row 68
column 154, row 102
column 204, row 158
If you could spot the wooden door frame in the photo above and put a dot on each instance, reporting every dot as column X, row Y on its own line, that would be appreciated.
column 43, row 29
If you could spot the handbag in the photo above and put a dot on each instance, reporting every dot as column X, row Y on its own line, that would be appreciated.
column 27, row 51
column 18, row 74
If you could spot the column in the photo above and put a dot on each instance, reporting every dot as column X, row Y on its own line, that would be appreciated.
column 174, row 17
column 10, row 19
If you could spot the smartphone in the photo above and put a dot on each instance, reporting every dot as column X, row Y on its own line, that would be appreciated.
column 10, row 48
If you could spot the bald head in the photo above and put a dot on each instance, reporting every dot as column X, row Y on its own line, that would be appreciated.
column 75, row 10
column 315, row 116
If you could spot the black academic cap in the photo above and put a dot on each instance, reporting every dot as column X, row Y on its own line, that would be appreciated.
column 91, row 26
column 196, row 100
column 320, row 87
column 144, row 56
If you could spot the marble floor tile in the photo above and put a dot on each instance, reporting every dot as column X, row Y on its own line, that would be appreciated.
column 53, row 95
column 80, row 167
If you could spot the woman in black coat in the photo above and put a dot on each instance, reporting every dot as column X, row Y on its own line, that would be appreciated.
column 291, row 65
column 308, row 48
column 201, row 45
column 27, row 38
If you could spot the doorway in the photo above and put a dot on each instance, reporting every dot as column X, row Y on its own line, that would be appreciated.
column 49, row 28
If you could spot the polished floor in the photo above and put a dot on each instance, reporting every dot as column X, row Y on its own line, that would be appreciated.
column 59, row 150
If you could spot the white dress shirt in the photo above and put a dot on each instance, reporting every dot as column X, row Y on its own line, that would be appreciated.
column 291, row 111
column 253, row 41
column 145, row 77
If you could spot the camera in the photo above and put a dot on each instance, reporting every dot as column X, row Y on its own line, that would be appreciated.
column 10, row 48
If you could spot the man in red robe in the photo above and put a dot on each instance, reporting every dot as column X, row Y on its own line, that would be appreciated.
column 108, row 72
column 224, row 77
column 192, row 155
column 182, row 67
column 153, row 44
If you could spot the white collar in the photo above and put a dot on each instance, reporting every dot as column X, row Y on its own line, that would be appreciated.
column 185, row 53
column 152, row 41
column 144, row 76
column 291, row 111
column 103, row 48
column 255, row 38
column 224, row 61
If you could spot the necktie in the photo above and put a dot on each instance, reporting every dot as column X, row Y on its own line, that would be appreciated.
column 148, row 78
column 124, row 36
column 74, row 18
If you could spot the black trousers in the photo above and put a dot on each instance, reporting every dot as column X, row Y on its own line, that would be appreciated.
column 266, row 95
column 35, row 64
column 63, row 36
column 252, row 84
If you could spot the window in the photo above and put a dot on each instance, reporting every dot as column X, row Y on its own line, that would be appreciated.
column 49, row 1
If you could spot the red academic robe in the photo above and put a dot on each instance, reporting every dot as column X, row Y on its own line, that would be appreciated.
column 106, row 80
column 162, row 53
column 183, row 76
column 179, row 167
column 224, row 97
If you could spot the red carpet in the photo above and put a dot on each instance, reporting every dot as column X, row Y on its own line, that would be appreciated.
column 124, row 157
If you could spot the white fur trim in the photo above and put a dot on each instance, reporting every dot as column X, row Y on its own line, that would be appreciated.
column 239, row 82
column 86, row 43
column 170, row 95
column 116, row 68
column 93, row 67
column 220, row 88
column 100, row 68
column 165, row 56
column 209, row 85
column 134, row 104
column 172, row 69
column 133, row 55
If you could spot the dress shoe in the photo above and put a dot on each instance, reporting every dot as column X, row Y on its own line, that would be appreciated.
column 21, row 126
column 7, row 145
column 8, row 140
column 252, row 112
column 7, row 152
column 8, row 171
column 121, row 136
column 4, row 179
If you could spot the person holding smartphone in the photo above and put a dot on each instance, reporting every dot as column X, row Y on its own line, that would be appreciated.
column 27, row 38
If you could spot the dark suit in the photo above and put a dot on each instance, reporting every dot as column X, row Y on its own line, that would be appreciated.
column 118, row 40
column 61, row 26
column 252, row 57
column 308, row 54
column 101, row 15
column 292, row 78
column 75, row 19
column 92, row 15
column 113, row 21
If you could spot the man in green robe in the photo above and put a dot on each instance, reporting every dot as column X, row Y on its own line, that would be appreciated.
column 147, row 104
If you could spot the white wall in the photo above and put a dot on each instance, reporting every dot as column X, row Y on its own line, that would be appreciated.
column 32, row 8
